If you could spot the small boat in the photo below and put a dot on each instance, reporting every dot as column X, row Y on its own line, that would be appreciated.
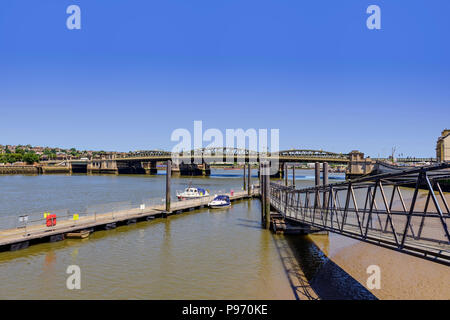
column 192, row 193
column 221, row 201
column 78, row 235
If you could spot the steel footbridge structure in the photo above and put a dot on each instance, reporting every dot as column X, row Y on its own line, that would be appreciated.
column 404, row 211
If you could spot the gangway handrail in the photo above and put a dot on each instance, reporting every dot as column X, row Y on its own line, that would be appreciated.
column 380, row 215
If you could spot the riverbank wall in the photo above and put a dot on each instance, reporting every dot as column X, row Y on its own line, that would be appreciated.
column 30, row 169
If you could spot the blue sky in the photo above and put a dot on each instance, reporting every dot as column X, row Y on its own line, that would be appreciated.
column 139, row 69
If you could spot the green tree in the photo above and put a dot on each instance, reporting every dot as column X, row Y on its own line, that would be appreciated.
column 50, row 153
column 13, row 157
column 30, row 158
column 74, row 152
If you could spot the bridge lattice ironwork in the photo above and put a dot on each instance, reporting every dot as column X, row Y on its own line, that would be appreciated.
column 406, row 211
column 312, row 153
column 243, row 153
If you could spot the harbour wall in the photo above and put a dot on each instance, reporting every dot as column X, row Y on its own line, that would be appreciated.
column 20, row 169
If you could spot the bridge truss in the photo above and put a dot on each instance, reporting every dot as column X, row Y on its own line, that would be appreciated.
column 406, row 211
column 237, row 153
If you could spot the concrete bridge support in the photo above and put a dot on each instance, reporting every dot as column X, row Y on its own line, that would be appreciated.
column 192, row 169
column 206, row 169
column 130, row 167
column 103, row 166
column 149, row 167
column 175, row 168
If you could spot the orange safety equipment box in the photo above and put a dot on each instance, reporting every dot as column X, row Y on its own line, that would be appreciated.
column 51, row 220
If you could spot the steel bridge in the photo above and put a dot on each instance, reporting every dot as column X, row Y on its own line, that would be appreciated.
column 239, row 155
column 389, row 210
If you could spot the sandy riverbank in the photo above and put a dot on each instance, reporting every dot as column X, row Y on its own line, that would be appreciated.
column 402, row 276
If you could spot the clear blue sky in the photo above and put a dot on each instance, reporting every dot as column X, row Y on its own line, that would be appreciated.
column 138, row 69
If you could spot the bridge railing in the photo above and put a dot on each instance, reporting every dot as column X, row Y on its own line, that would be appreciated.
column 407, row 159
column 24, row 225
column 409, row 215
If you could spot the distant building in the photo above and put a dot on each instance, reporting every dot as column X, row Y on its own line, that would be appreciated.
column 11, row 148
column 443, row 147
column 38, row 149
column 61, row 156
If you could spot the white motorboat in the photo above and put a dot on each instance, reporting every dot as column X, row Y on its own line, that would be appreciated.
column 192, row 193
column 221, row 201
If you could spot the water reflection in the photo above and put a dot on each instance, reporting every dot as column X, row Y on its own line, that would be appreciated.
column 49, row 262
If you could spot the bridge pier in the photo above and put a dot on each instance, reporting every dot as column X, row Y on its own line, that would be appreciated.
column 102, row 166
column 150, row 167
column 206, row 169
column 130, row 167
column 175, row 168
column 192, row 169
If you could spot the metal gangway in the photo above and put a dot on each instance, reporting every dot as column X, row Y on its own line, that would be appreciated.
column 406, row 211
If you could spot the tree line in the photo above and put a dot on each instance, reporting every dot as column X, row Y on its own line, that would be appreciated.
column 20, row 155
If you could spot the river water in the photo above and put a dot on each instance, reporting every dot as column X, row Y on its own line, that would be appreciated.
column 202, row 254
